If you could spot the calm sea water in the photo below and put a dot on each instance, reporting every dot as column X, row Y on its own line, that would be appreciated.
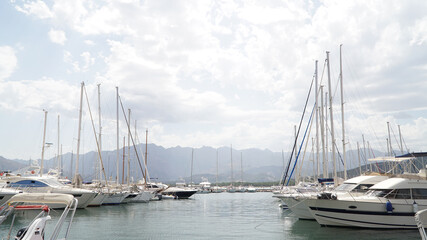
column 209, row 216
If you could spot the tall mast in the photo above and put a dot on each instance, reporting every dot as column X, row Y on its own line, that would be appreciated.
column 369, row 148
column 217, row 168
column 191, row 174
column 296, row 154
column 326, row 133
column 44, row 143
column 400, row 136
column 99, row 134
column 124, row 156
column 78, row 135
column 317, row 122
column 241, row 166
column 342, row 118
column 231, row 154
column 146, row 155
column 389, row 140
column 118, row 146
column 322, row 131
column 358, row 157
column 364, row 153
column 59, row 148
column 128, row 169
column 332, row 121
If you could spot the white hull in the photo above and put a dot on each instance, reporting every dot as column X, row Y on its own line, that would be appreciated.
column 347, row 213
column 143, row 197
column 115, row 198
column 98, row 200
column 298, row 206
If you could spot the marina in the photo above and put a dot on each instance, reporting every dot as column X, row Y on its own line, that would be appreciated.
column 209, row 216
column 231, row 119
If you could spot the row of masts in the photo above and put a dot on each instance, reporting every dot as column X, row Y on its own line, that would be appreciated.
column 99, row 166
column 231, row 172
column 321, row 124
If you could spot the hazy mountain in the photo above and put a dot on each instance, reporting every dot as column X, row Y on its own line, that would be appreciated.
column 174, row 164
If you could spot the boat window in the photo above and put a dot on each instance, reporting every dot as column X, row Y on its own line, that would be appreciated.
column 419, row 193
column 362, row 188
column 27, row 183
column 379, row 192
column 403, row 194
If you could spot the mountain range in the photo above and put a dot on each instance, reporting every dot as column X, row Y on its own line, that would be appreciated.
column 174, row 164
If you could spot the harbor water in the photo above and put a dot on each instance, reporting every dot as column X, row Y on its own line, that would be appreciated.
column 208, row 216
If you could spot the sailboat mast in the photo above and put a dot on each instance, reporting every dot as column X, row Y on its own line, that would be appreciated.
column 322, row 132
column 342, row 117
column 326, row 133
column 317, row 121
column 241, row 166
column 364, row 153
column 332, row 121
column 99, row 134
column 128, row 169
column 79, row 132
column 124, row 156
column 59, row 148
column 191, row 173
column 231, row 155
column 400, row 136
column 44, row 143
column 118, row 146
column 358, row 156
column 296, row 152
column 146, row 155
column 217, row 168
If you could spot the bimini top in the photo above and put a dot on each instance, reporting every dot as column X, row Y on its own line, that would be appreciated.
column 400, row 183
column 45, row 198
column 371, row 179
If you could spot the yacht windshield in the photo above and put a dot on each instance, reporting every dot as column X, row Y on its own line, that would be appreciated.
column 378, row 192
column 346, row 187
column 53, row 182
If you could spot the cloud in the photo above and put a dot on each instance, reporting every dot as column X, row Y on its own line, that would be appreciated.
column 8, row 62
column 37, row 8
column 57, row 36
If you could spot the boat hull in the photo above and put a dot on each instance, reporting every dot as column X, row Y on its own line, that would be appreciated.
column 367, row 214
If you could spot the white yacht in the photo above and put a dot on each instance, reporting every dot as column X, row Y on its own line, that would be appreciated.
column 47, row 184
column 389, row 204
column 180, row 191
column 297, row 200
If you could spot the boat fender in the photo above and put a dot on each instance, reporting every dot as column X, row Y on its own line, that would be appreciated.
column 415, row 207
column 389, row 206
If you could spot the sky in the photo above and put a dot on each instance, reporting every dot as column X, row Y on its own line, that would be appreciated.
column 209, row 73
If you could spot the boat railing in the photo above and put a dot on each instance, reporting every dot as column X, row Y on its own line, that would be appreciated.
column 421, row 219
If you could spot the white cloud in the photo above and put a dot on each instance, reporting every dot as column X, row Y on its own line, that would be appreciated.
column 57, row 36
column 8, row 62
column 37, row 8
column 181, row 64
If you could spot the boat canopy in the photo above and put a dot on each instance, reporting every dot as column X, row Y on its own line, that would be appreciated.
column 370, row 179
column 390, row 159
column 400, row 183
column 45, row 198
